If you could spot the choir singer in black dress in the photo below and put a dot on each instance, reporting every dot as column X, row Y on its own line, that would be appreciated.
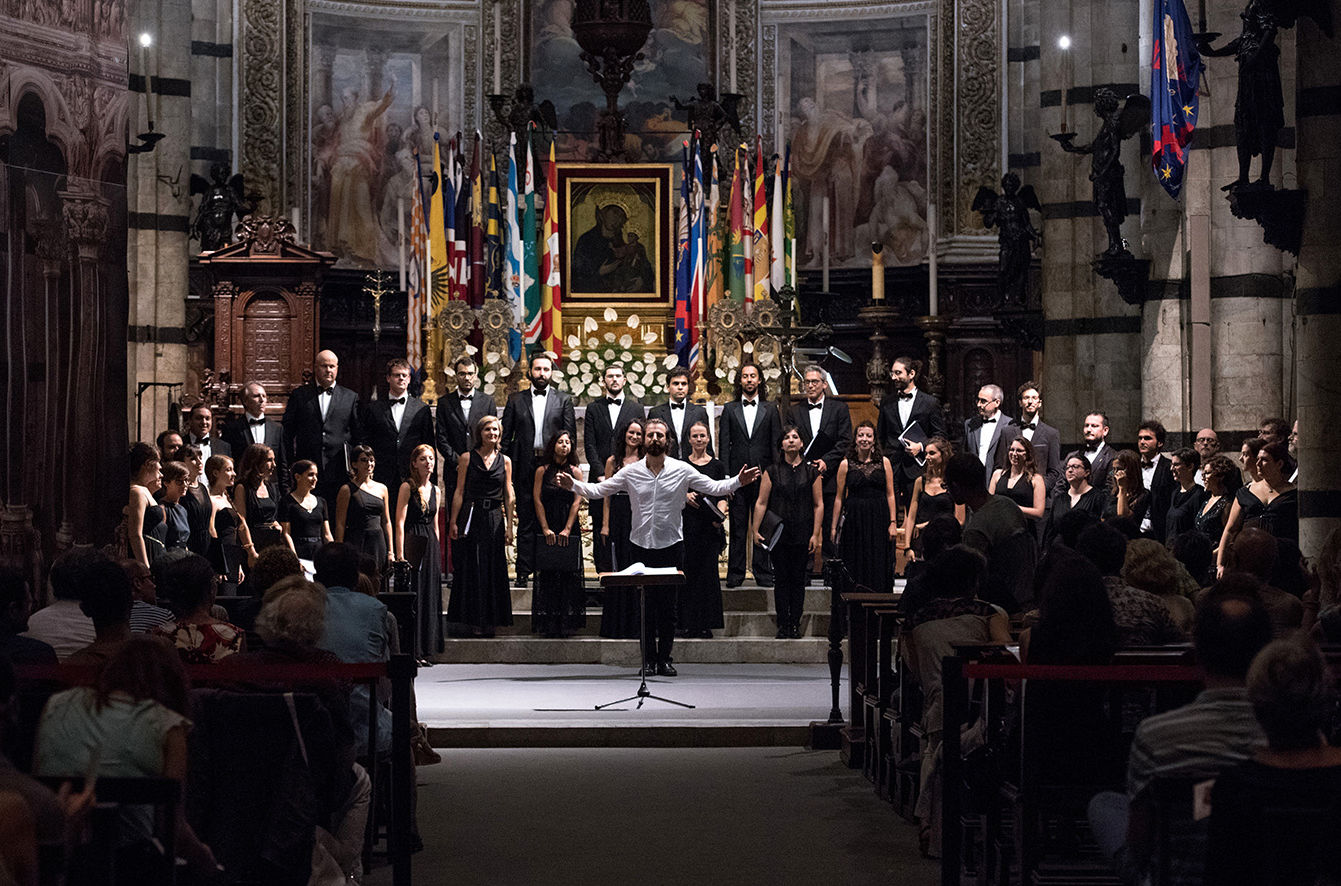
column 558, row 605
column 792, row 489
column 700, row 607
column 863, row 526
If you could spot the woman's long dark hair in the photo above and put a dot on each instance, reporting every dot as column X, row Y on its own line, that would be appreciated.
column 552, row 464
column 620, row 451
column 1075, row 624
column 876, row 454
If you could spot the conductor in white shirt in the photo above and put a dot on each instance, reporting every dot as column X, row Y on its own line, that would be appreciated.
column 657, row 486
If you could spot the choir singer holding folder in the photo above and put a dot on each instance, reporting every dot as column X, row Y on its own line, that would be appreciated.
column 656, row 487
column 908, row 418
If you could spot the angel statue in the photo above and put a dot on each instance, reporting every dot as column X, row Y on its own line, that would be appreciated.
column 1259, row 108
column 1009, row 213
column 224, row 197
column 708, row 115
column 1121, row 120
column 518, row 114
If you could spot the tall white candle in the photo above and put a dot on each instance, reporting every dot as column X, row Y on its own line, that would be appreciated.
column 400, row 236
column 1064, row 43
column 731, row 42
column 824, row 229
column 934, row 296
column 498, row 47
column 145, row 39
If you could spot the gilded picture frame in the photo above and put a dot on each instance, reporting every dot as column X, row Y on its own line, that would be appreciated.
column 615, row 234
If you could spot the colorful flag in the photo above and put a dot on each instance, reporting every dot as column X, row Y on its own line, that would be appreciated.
column 683, row 271
column 551, row 295
column 530, row 258
column 512, row 273
column 493, row 236
column 414, row 275
column 717, row 235
column 1175, row 71
column 777, row 275
column 762, row 253
column 461, row 251
column 747, row 216
column 478, row 274
column 698, row 242
column 438, row 256
column 740, row 281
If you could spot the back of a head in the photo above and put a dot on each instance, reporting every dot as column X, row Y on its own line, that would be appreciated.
column 1254, row 551
column 1103, row 546
column 188, row 583
column 1291, row 693
column 1193, row 549
column 1230, row 629
column 1126, row 527
column 1071, row 524
column 1289, row 574
column 1076, row 623
column 337, row 565
column 146, row 668
column 965, row 471
column 273, row 564
column 956, row 572
column 69, row 574
column 13, row 596
column 1148, row 565
column 108, row 596
column 939, row 535
column 294, row 614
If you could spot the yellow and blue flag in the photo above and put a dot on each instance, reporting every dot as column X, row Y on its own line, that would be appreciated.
column 1175, row 71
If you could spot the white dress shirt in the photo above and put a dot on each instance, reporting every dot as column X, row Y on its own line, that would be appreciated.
column 398, row 410
column 324, row 398
column 677, row 416
column 255, row 432
column 985, row 434
column 657, row 499
column 1148, row 477
column 906, row 405
column 538, row 402
column 1027, row 428
column 206, row 450
column 814, row 415
column 751, row 413
column 612, row 409
column 465, row 398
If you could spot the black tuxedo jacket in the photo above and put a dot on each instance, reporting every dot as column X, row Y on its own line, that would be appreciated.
column 926, row 412
column 598, row 437
column 835, row 436
column 327, row 441
column 1161, row 490
column 1047, row 444
column 392, row 447
column 519, row 431
column 740, row 447
column 1002, row 433
column 1099, row 466
column 454, row 434
column 693, row 412
column 218, row 445
column 237, row 434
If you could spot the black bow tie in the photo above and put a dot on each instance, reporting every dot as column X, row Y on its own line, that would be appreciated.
column 615, row 401
column 905, row 396
column 747, row 402
column 399, row 401
column 1094, row 448
column 537, row 392
column 819, row 405
column 253, row 422
column 677, row 406
column 323, row 391
column 466, row 398
column 989, row 421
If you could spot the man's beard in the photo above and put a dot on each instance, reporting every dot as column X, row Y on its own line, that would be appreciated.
column 539, row 383
column 656, row 447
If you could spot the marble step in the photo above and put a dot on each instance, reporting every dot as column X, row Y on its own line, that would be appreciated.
column 744, row 598
column 599, row 650
column 737, row 624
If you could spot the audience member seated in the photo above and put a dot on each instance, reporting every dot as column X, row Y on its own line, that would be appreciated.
column 996, row 528
column 356, row 631
column 272, row 565
column 1142, row 619
column 1150, row 567
column 1274, row 818
column 953, row 616
column 197, row 635
column 63, row 625
column 291, row 622
column 1075, row 618
column 1193, row 549
column 132, row 724
column 937, row 536
column 1255, row 552
column 15, row 604
column 107, row 602
column 145, row 613
column 1198, row 740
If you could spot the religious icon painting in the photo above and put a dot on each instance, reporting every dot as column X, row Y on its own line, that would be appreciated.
column 615, row 234
column 853, row 100
column 378, row 90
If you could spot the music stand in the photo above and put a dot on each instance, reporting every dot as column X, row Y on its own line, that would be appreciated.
column 618, row 580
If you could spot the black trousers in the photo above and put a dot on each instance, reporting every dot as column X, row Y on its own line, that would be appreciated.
column 741, row 512
column 791, row 564
column 600, row 549
column 523, row 478
column 659, row 620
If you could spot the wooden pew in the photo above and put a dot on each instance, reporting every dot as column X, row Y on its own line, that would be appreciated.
column 860, row 655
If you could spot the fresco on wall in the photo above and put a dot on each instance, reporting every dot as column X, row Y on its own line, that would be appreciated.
column 679, row 54
column 373, row 93
column 856, row 91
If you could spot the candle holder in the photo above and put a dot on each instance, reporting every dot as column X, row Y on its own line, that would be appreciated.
column 148, row 141
column 934, row 330
column 879, row 316
column 376, row 287
column 611, row 34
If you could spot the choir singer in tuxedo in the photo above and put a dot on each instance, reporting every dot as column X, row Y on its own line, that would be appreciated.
column 255, row 428
column 395, row 426
column 606, row 416
column 750, row 434
column 905, row 405
column 530, row 419
column 988, row 434
column 679, row 414
column 826, row 434
column 321, row 422
column 458, row 413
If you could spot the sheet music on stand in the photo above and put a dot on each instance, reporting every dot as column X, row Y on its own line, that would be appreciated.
column 914, row 434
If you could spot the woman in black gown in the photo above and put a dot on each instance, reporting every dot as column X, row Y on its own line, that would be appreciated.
column 699, row 604
column 1218, row 474
column 931, row 497
column 230, row 540
column 417, row 518
column 363, row 509
column 1127, row 496
column 142, row 512
column 481, row 529
column 1280, row 515
column 1021, row 483
column 1078, row 495
column 791, row 490
column 559, row 604
column 303, row 515
column 862, row 526
column 1187, row 498
column 256, row 497
column 619, row 608
column 1249, row 500
column 196, row 499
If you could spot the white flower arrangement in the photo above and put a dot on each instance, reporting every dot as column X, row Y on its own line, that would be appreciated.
column 589, row 352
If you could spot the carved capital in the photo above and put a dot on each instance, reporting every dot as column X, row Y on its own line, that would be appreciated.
column 85, row 223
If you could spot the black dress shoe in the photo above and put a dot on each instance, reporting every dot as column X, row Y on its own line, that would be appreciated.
column 782, row 634
column 795, row 633
column 705, row 635
column 650, row 669
column 666, row 669
column 764, row 582
column 730, row 583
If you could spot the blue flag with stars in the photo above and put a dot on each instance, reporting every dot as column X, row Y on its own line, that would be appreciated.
column 1175, row 71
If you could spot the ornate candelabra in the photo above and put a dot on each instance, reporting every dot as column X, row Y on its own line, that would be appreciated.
column 612, row 34
column 378, row 285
